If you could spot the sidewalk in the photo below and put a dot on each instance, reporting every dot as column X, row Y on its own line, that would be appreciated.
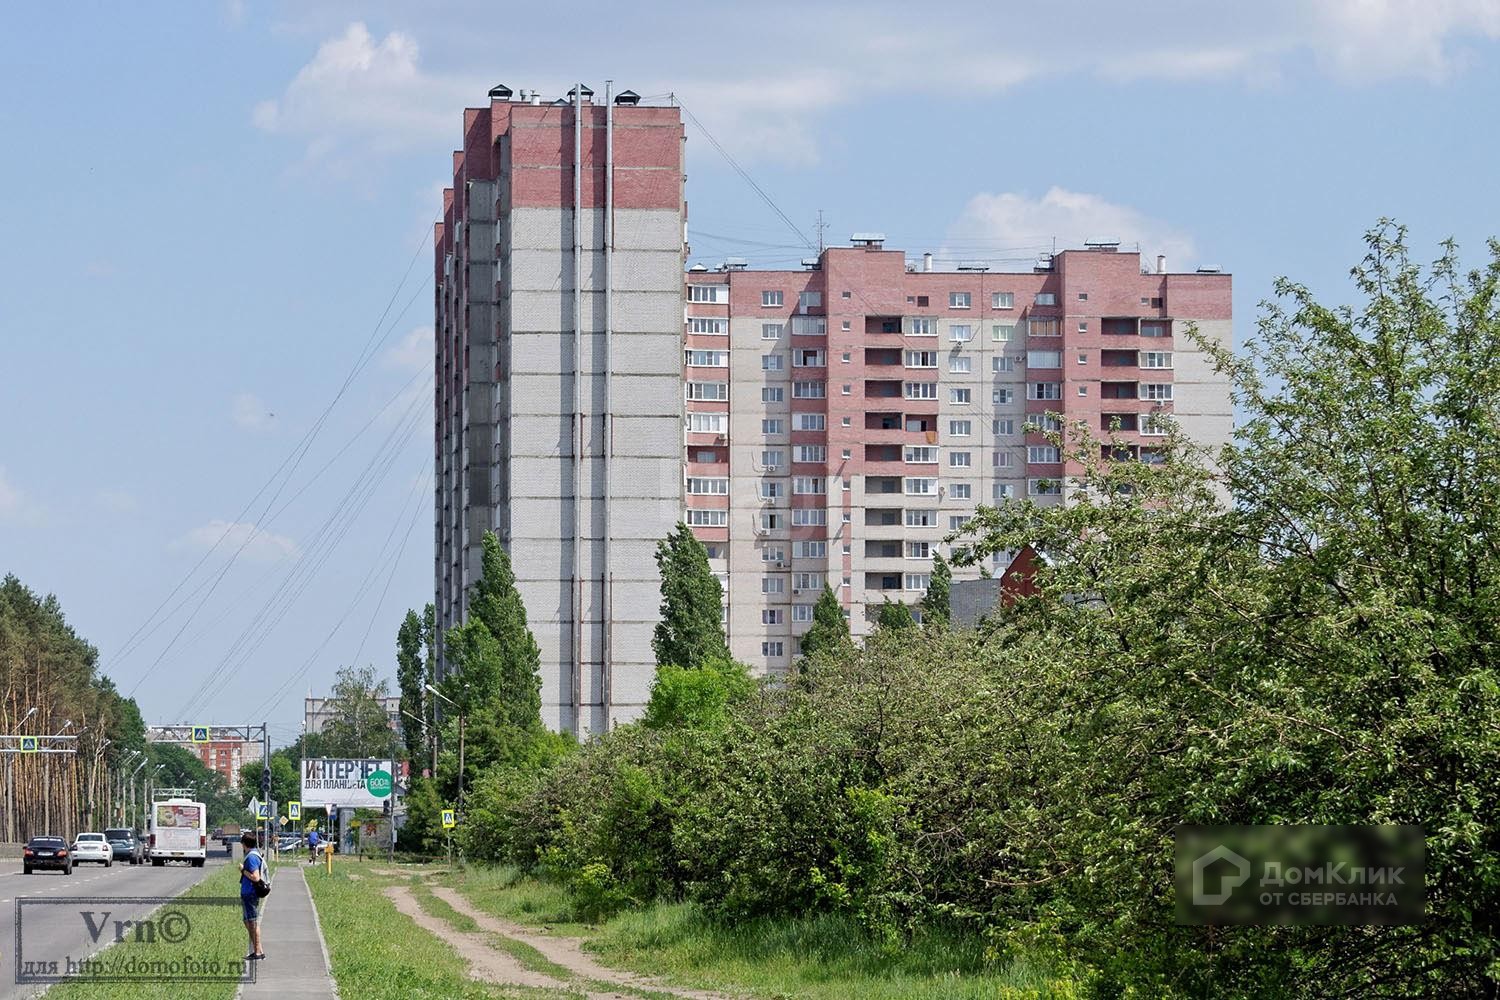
column 295, row 965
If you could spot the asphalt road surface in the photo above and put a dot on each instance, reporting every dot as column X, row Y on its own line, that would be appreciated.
column 61, row 929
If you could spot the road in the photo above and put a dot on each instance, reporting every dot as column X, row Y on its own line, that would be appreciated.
column 52, row 930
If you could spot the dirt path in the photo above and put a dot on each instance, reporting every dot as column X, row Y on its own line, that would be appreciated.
column 485, row 963
column 567, row 952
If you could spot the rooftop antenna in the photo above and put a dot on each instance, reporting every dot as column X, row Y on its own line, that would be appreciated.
column 821, row 226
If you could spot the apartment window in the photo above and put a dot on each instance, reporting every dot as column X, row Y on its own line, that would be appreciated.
column 1042, row 328
column 960, row 491
column 1046, row 298
column 956, row 522
column 773, row 616
column 919, row 550
column 772, row 459
column 847, row 454
column 918, row 455
column 1003, row 396
column 772, row 363
column 1044, row 487
column 772, row 585
column 1156, row 328
column 708, row 293
column 811, row 422
column 960, row 397
column 775, row 554
column 810, row 453
column 714, row 327
column 1156, row 390
column 1044, row 454
column 923, row 326
column 1002, row 460
column 1003, row 300
column 921, row 359
column 1001, row 333
column 959, row 460
column 802, row 612
column 845, row 325
column 805, row 358
column 771, row 331
column 810, row 550
column 960, row 428
column 1083, row 326
column 804, row 517
column 708, row 486
column 772, row 489
column 772, row 394
column 1083, row 390
column 804, row 485
column 918, row 517
column 1083, row 357
column 1003, row 491
column 845, row 357
column 1042, row 423
column 708, row 359
column 1001, row 365
column 958, row 300
column 845, row 421
column 708, row 423
column 807, row 581
column 845, row 390
column 959, row 365
column 809, row 300
column 809, row 390
column 1156, row 359
column 708, row 518
column 918, row 581
column 773, row 425
column 921, row 390
column 960, row 333
column 919, row 487
column 769, row 521
column 1044, row 390
column 771, row 298
column 1154, row 425
column 809, row 326
column 708, row 390
column 1044, row 359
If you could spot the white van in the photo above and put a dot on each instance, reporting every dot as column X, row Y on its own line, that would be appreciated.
column 178, row 832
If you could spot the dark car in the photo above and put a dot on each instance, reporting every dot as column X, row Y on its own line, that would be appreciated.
column 47, row 852
column 127, row 845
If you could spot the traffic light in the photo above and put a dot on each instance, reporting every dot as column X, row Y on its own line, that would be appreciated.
column 265, row 782
column 385, row 806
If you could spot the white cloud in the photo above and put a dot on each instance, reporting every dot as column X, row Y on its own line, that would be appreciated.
column 250, row 413
column 11, row 500
column 412, row 352
column 259, row 546
column 770, row 101
column 1011, row 225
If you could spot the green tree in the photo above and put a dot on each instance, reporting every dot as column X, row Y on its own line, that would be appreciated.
column 286, row 779
column 935, row 609
column 359, row 725
column 690, row 632
column 895, row 615
column 504, row 673
column 411, row 674
column 829, row 631
column 698, row 698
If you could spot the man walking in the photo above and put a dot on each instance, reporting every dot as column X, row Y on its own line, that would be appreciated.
column 312, row 846
column 252, row 871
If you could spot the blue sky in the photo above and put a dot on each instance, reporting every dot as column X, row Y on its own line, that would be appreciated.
column 208, row 208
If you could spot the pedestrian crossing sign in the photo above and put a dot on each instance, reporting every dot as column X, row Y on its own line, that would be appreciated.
column 29, row 744
column 263, row 810
column 448, row 821
column 294, row 810
column 200, row 734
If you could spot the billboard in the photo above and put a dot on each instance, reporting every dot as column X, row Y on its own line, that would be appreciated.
column 345, row 782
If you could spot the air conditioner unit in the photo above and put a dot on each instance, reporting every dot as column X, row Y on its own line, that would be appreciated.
column 796, row 590
column 780, row 564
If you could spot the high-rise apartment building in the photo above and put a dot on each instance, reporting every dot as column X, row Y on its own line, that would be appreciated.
column 823, row 425
column 559, row 392
column 841, row 419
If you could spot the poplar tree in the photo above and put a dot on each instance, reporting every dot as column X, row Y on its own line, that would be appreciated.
column 410, row 676
column 691, row 631
column 829, row 630
column 935, row 603
column 895, row 615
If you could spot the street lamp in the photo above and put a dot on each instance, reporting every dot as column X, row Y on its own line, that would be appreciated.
column 456, row 705
column 22, row 721
column 431, row 736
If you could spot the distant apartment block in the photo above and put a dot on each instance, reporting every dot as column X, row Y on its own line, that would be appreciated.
column 827, row 424
column 559, row 391
column 226, row 756
column 844, row 417
column 318, row 712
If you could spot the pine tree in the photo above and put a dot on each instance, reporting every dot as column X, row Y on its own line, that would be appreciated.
column 691, row 632
column 829, row 629
column 894, row 615
column 410, row 676
column 935, row 603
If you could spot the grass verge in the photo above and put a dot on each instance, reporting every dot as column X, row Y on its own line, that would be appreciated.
column 216, row 935
column 379, row 954
column 822, row 957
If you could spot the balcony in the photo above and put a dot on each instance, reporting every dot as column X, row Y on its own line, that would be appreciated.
column 1117, row 390
column 883, row 549
column 1118, row 326
column 883, row 581
column 883, row 517
column 883, row 452
column 1126, row 422
column 882, row 485
column 882, row 356
column 878, row 325
column 882, row 388
column 884, row 420
column 1118, row 359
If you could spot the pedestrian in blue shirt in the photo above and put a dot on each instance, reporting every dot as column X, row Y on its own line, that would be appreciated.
column 312, row 846
column 252, row 870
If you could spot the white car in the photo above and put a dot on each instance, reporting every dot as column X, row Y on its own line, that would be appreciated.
column 93, row 847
